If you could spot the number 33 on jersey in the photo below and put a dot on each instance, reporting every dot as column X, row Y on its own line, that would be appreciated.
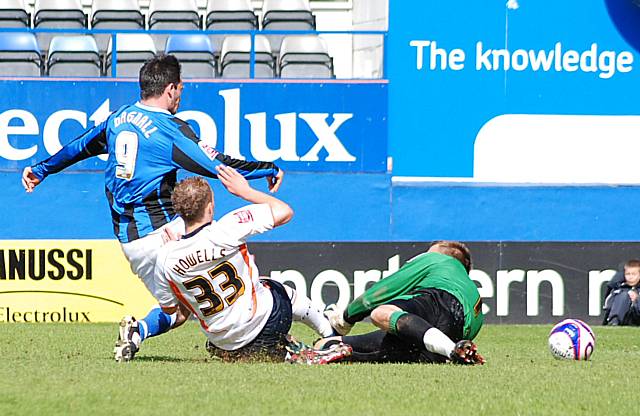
column 211, row 272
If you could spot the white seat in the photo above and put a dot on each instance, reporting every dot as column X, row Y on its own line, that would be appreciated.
column 13, row 13
column 133, row 50
column 74, row 56
column 229, row 15
column 305, row 56
column 235, row 57
column 172, row 15
column 57, row 14
column 115, row 14
column 286, row 15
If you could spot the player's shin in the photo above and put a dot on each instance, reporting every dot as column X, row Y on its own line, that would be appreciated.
column 155, row 323
column 415, row 329
column 304, row 310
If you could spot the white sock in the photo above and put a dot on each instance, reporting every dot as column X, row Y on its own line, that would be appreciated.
column 307, row 312
column 436, row 341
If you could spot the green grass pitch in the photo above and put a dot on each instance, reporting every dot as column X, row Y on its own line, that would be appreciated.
column 51, row 369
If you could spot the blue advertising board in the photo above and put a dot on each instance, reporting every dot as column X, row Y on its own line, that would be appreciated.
column 515, row 91
column 306, row 127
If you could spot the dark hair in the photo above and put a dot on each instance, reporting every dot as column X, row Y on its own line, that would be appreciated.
column 157, row 73
column 456, row 250
column 632, row 263
column 190, row 197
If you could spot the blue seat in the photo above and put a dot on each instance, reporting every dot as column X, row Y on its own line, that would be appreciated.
column 73, row 56
column 196, row 54
column 19, row 54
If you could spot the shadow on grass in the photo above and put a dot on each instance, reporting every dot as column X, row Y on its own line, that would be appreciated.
column 171, row 359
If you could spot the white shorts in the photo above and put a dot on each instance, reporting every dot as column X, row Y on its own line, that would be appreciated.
column 142, row 253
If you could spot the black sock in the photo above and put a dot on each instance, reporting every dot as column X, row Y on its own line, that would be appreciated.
column 365, row 343
column 412, row 328
column 366, row 347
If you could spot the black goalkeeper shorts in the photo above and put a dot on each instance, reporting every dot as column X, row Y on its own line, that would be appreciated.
column 438, row 308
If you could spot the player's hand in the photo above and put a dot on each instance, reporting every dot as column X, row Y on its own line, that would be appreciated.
column 235, row 183
column 336, row 319
column 169, row 235
column 274, row 182
column 29, row 180
column 633, row 295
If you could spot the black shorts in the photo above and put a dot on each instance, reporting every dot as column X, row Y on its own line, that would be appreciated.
column 271, row 341
column 438, row 308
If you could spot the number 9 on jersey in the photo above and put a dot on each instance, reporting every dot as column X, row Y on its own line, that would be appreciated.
column 126, row 154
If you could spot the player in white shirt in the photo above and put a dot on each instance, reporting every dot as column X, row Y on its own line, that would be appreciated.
column 210, row 271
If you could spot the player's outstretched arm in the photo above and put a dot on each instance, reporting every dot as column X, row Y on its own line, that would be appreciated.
column 382, row 291
column 92, row 142
column 194, row 155
column 237, row 185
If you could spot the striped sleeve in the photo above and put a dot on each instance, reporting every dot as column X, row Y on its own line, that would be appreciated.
column 195, row 155
column 92, row 142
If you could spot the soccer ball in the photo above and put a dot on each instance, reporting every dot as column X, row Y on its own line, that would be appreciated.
column 572, row 339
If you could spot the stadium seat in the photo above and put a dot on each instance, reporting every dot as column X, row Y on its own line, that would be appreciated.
column 173, row 15
column 73, row 56
column 229, row 15
column 235, row 57
column 13, row 13
column 305, row 56
column 195, row 53
column 114, row 14
column 132, row 51
column 19, row 54
column 286, row 15
column 57, row 14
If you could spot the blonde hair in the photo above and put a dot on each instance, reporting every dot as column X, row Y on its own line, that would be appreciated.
column 190, row 198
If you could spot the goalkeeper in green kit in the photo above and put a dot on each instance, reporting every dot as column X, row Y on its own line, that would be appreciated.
column 428, row 311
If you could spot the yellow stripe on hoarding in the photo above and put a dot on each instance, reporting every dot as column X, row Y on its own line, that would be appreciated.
column 68, row 281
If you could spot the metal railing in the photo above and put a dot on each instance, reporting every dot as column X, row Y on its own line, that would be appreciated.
column 252, row 33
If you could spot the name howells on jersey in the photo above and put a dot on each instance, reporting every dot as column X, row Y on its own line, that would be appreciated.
column 200, row 256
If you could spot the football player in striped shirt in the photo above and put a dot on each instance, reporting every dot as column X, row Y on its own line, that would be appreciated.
column 146, row 144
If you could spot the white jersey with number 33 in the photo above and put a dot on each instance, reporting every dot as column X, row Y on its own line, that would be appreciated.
column 213, row 274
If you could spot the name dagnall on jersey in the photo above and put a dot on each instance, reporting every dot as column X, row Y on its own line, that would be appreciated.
column 138, row 119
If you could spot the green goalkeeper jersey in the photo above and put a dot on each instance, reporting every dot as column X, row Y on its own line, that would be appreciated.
column 425, row 271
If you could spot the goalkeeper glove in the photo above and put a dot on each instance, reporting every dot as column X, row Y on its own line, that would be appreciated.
column 336, row 319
